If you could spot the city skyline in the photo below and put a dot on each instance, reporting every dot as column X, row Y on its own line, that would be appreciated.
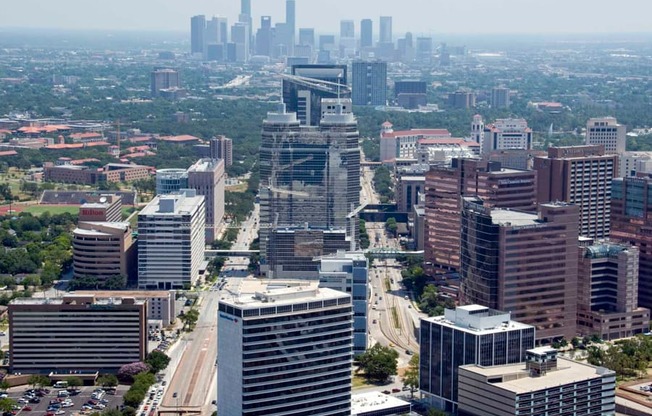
column 417, row 16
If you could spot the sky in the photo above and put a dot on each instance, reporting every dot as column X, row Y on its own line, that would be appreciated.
column 416, row 16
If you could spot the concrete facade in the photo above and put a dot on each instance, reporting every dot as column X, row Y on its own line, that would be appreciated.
column 102, row 250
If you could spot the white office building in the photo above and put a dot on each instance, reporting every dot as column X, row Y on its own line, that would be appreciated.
column 284, row 348
column 171, row 241
column 631, row 163
column 506, row 133
column 607, row 132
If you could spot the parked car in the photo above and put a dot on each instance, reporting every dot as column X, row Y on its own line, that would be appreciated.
column 395, row 390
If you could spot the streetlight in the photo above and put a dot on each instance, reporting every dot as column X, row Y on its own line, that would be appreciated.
column 175, row 395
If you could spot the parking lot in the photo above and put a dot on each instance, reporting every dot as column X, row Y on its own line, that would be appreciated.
column 78, row 400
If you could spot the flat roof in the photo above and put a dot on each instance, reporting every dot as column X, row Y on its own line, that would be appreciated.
column 70, row 297
column 258, row 293
column 374, row 401
column 123, row 293
column 513, row 218
column 568, row 371
column 183, row 205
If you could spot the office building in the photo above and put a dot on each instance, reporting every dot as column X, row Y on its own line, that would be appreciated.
column 366, row 33
column 241, row 40
column 245, row 15
column 347, row 29
column 369, row 83
column 607, row 132
column 410, row 94
column 308, row 85
column 171, row 180
column 470, row 334
column 265, row 37
column 307, row 37
column 522, row 159
column 385, row 29
column 632, row 163
column 408, row 190
column 579, row 175
column 631, row 222
column 348, row 272
column 291, row 24
column 197, row 34
column 508, row 133
column 217, row 31
column 607, row 287
column 310, row 177
column 375, row 403
column 222, row 148
column 207, row 178
column 445, row 185
column 163, row 79
column 160, row 303
column 522, row 262
column 85, row 175
column 424, row 49
column 257, row 324
column 499, row 98
column 107, row 209
column 545, row 384
column 103, row 250
column 461, row 100
column 171, row 233
column 76, row 334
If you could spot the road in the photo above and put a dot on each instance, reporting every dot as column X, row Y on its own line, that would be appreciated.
column 193, row 384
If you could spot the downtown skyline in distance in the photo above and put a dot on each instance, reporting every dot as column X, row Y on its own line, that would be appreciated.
column 416, row 16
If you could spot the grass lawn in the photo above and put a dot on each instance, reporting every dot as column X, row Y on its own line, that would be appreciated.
column 360, row 382
column 53, row 210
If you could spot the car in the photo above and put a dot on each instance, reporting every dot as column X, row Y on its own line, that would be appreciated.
column 409, row 352
column 375, row 321
column 27, row 409
column 387, row 392
column 60, row 412
column 396, row 390
column 35, row 400
column 23, row 400
column 67, row 404
column 164, row 383
column 49, row 414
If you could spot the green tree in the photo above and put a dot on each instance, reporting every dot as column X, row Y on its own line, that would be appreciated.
column 378, row 363
column 411, row 376
column 74, row 382
column 7, row 404
column 157, row 360
column 4, row 385
column 391, row 225
column 189, row 319
column 37, row 380
column 107, row 380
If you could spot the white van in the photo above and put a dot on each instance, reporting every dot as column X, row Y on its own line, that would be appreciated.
column 61, row 385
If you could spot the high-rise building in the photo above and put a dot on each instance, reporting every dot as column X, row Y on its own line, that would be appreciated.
column 579, row 175
column 444, row 186
column 607, row 132
column 366, row 33
column 506, row 133
column 103, row 250
column 477, row 129
column 308, row 85
column 369, row 83
column 461, row 99
column 309, row 177
column 163, row 79
column 307, row 36
column 348, row 272
column 633, row 163
column 197, row 34
column 472, row 334
column 348, row 43
column 631, row 221
column 245, row 7
column 107, row 209
column 76, row 333
column 222, row 148
column 424, row 49
column 216, row 31
column 290, row 16
column 607, row 287
column 385, row 29
column 499, row 97
column 285, row 347
column 411, row 93
column 546, row 384
column 171, row 241
column 347, row 29
column 265, row 37
column 241, row 39
column 171, row 180
column 207, row 178
column 522, row 262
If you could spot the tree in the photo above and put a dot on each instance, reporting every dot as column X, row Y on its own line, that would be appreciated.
column 128, row 371
column 391, row 225
column 157, row 360
column 411, row 376
column 4, row 385
column 7, row 404
column 37, row 380
column 108, row 380
column 378, row 363
column 74, row 382
column 190, row 318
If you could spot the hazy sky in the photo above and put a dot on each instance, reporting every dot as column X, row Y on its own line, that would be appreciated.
column 417, row 16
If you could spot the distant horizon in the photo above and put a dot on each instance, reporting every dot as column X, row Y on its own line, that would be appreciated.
column 417, row 16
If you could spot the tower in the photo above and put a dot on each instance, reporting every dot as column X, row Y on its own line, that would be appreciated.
column 369, row 83
column 385, row 29
column 197, row 34
column 366, row 33
column 607, row 132
column 477, row 129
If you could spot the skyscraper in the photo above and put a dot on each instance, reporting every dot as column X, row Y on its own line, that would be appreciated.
column 207, row 178
column 264, row 37
column 241, row 38
column 307, row 36
column 197, row 33
column 607, row 132
column 579, row 175
column 309, row 177
column 369, row 83
column 291, row 25
column 500, row 97
column 385, row 29
column 245, row 7
column 522, row 262
column 366, row 33
column 222, row 148
column 347, row 29
column 631, row 221
column 163, row 79
column 284, row 348
column 472, row 334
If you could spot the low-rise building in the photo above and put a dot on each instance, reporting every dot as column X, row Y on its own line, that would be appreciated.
column 376, row 403
column 544, row 385
column 76, row 333
column 160, row 303
column 85, row 175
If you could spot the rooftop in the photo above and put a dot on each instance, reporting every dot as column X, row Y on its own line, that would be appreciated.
column 183, row 204
column 373, row 402
column 568, row 371
column 137, row 294
column 477, row 319
column 513, row 218
column 77, row 299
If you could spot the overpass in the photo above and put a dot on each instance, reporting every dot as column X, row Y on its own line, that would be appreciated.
column 209, row 254
column 179, row 410
column 390, row 253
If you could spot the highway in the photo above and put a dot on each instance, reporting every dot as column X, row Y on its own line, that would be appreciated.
column 193, row 385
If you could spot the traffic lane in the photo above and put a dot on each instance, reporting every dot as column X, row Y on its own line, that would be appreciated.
column 114, row 401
